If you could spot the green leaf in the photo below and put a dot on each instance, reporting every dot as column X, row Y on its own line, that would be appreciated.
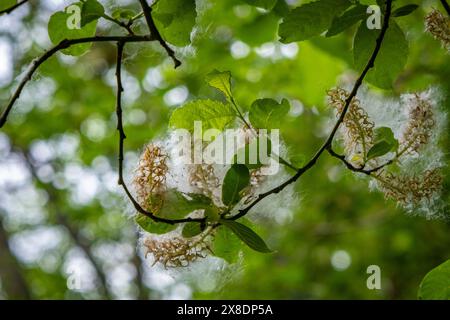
column 226, row 245
column 436, row 284
column 91, row 10
column 347, row 19
column 382, row 5
column 297, row 160
column 247, row 235
column 386, row 134
column 175, row 20
column 62, row 26
column 310, row 19
column 268, row 113
column 212, row 214
column 281, row 8
column 221, row 81
column 213, row 114
column 384, row 143
column 151, row 226
column 236, row 179
column 5, row 4
column 390, row 60
column 191, row 229
column 176, row 206
column 379, row 149
column 405, row 10
column 198, row 200
column 263, row 28
column 123, row 14
column 250, row 153
column 266, row 4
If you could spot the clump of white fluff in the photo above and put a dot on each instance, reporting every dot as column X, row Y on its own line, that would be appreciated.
column 191, row 260
column 278, row 208
column 429, row 157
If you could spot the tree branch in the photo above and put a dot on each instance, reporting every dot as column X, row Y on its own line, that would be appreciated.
column 14, row 283
column 126, row 26
column 82, row 243
column 121, row 40
column 14, row 7
column 144, row 292
column 73, row 231
column 64, row 44
column 330, row 138
column 155, row 32
column 355, row 169
column 122, row 137
column 446, row 6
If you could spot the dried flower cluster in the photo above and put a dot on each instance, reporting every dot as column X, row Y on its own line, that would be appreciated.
column 157, row 175
column 420, row 125
column 177, row 251
column 150, row 182
column 150, row 178
column 203, row 177
column 406, row 189
column 438, row 26
column 256, row 179
column 357, row 127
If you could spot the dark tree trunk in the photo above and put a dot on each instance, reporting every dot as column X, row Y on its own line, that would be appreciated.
column 13, row 282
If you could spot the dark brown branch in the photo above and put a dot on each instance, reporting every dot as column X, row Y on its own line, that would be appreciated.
column 356, row 169
column 125, row 25
column 13, row 281
column 446, row 6
column 155, row 32
column 144, row 292
column 330, row 138
column 14, row 7
column 122, row 137
column 64, row 44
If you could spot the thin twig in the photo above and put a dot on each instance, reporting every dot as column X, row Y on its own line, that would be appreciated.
column 446, row 6
column 155, row 32
column 14, row 7
column 355, row 169
column 64, row 44
column 329, row 140
column 126, row 26
column 122, row 137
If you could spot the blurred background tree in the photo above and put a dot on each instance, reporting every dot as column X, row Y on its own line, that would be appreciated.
column 63, row 216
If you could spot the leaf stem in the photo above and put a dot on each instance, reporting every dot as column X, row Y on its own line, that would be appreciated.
column 240, row 115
